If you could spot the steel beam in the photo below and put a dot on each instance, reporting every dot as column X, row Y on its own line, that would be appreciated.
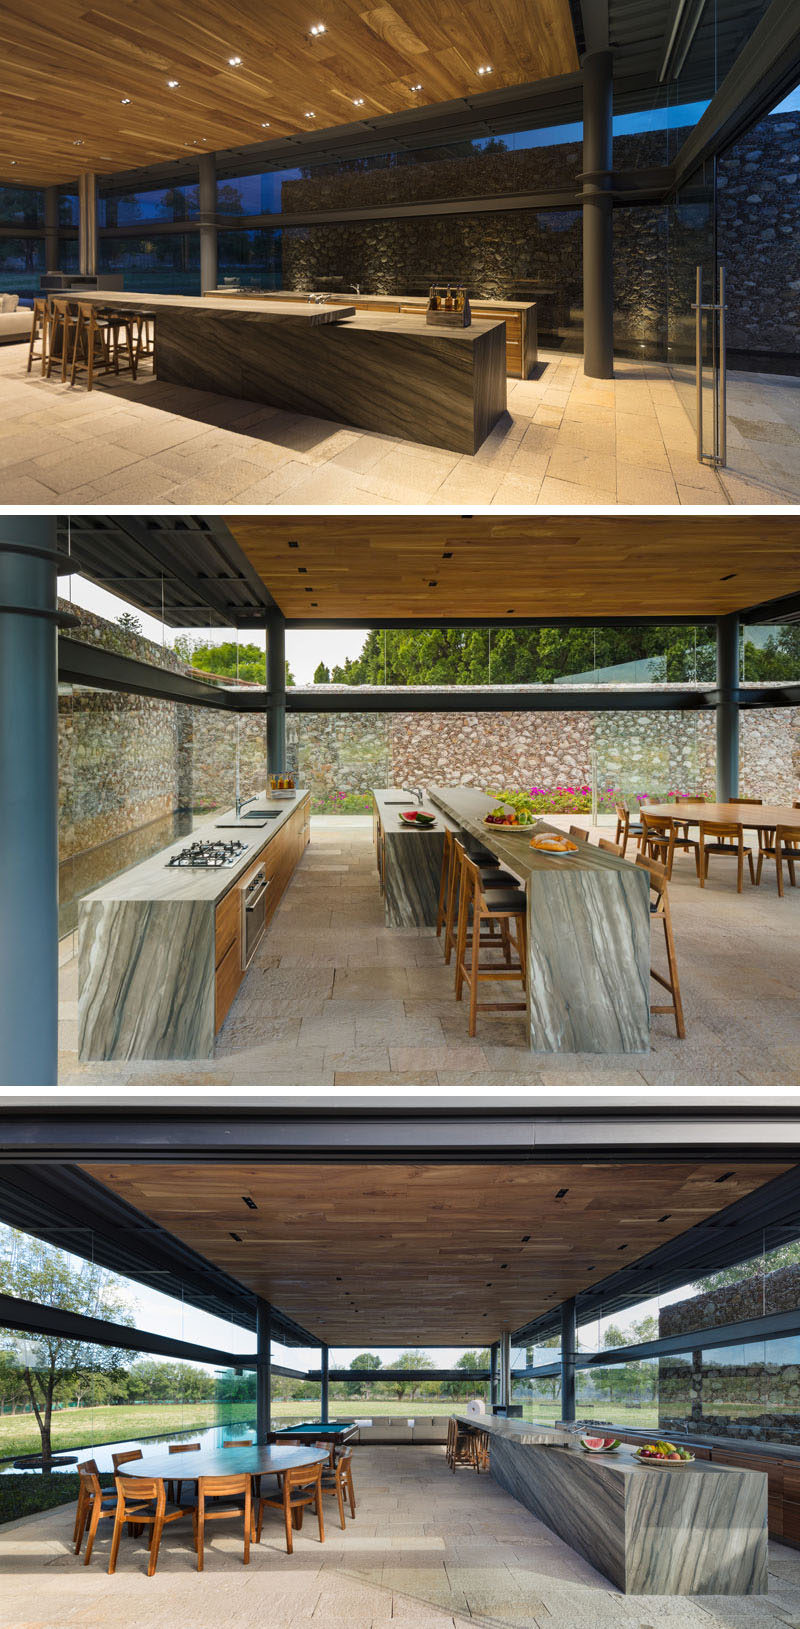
column 263, row 1370
column 35, row 1319
column 773, row 1326
column 555, row 699
column 727, row 712
column 28, row 802
column 81, row 663
column 371, row 1376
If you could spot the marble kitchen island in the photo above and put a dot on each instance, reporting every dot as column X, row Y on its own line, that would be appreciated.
column 699, row 1529
column 161, row 948
column 409, row 861
column 588, row 916
column 394, row 374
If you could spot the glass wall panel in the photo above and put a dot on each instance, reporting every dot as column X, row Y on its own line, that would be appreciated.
column 252, row 259
column 68, row 208
column 22, row 261
column 21, row 206
column 166, row 263
column 180, row 203
column 68, row 257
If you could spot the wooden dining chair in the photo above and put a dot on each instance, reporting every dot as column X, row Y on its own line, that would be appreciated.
column 346, row 1454
column 660, row 912
column 626, row 828
column 300, row 1487
column 175, row 1488
column 782, row 844
column 611, row 848
column 40, row 328
column 231, row 1499
column 505, row 908
column 94, row 1502
column 723, row 837
column 125, row 1458
column 659, row 835
column 142, row 1502
column 335, row 1481
column 240, row 1442
column 579, row 834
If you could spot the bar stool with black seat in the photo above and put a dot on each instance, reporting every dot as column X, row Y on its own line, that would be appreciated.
column 480, row 904
column 94, row 1502
column 626, row 828
column 39, row 330
column 459, row 1445
column 782, row 844
column 61, row 326
column 231, row 1500
column 301, row 1487
column 723, row 837
column 142, row 1502
column 93, row 344
column 175, row 1489
column 491, row 871
column 660, row 912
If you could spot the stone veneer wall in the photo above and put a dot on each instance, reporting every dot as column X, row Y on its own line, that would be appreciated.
column 756, row 1399
column 526, row 254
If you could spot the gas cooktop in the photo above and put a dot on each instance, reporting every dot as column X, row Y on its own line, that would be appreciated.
column 212, row 855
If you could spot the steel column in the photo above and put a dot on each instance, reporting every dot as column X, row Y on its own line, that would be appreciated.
column 505, row 1367
column 568, row 1344
column 29, row 802
column 493, row 1374
column 51, row 229
column 324, row 1383
column 728, row 707
column 597, row 178
column 87, row 224
column 276, row 692
column 263, row 1370
column 207, row 200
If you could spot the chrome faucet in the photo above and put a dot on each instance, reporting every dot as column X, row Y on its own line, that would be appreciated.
column 241, row 803
column 356, row 288
column 416, row 792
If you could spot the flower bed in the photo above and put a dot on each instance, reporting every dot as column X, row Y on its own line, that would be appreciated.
column 341, row 803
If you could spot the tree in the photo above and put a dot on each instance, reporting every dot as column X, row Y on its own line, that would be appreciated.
column 409, row 1360
column 364, row 1360
column 35, row 1272
column 228, row 660
column 13, row 1390
column 470, row 1362
column 322, row 674
column 785, row 1255
column 129, row 622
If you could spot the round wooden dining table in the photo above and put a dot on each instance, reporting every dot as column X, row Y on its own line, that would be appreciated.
column 257, row 1460
column 750, row 816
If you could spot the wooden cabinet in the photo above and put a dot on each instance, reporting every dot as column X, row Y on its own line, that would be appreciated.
column 279, row 857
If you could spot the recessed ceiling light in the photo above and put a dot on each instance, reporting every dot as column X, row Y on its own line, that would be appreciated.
column 125, row 100
column 486, row 69
column 234, row 62
column 317, row 28
column 311, row 115
column 265, row 125
column 14, row 161
column 172, row 84
column 358, row 101
column 416, row 87
column 78, row 142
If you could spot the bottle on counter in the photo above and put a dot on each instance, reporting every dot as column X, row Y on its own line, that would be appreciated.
column 448, row 303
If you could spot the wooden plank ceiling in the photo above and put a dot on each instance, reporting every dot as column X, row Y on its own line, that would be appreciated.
column 353, row 567
column 85, row 88
column 416, row 1254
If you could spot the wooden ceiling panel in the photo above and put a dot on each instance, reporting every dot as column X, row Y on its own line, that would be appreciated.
column 437, row 567
column 66, row 69
column 421, row 1254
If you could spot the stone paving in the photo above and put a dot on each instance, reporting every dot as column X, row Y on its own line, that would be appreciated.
column 564, row 440
column 427, row 1550
column 334, row 997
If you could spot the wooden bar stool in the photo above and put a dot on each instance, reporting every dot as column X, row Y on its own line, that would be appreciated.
column 93, row 345
column 611, row 848
column 62, row 322
column 659, row 911
column 39, row 331
column 579, row 834
column 123, row 342
column 506, row 907
column 492, row 874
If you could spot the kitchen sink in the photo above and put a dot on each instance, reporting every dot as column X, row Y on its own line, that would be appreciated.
column 260, row 814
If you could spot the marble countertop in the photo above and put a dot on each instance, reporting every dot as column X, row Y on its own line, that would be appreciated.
column 334, row 295
column 467, row 807
column 153, row 879
column 314, row 316
column 622, row 1462
column 393, row 800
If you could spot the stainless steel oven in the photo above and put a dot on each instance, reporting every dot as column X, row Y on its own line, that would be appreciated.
column 254, row 913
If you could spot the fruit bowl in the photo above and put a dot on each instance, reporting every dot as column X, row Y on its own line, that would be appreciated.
column 663, row 1454
column 599, row 1445
column 508, row 822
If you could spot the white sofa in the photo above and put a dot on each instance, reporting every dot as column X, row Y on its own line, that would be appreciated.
column 16, row 320
column 403, row 1430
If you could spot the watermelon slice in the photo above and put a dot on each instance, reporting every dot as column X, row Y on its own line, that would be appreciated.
column 599, row 1445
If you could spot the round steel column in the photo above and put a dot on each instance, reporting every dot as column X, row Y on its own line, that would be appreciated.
column 324, row 1389
column 28, row 802
column 728, row 708
column 87, row 224
column 505, row 1368
column 598, row 243
column 493, row 1374
column 207, row 201
column 569, row 1336
column 263, row 1370
column 276, row 693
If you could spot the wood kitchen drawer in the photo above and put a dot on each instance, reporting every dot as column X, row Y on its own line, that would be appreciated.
column 228, row 978
column 227, row 923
